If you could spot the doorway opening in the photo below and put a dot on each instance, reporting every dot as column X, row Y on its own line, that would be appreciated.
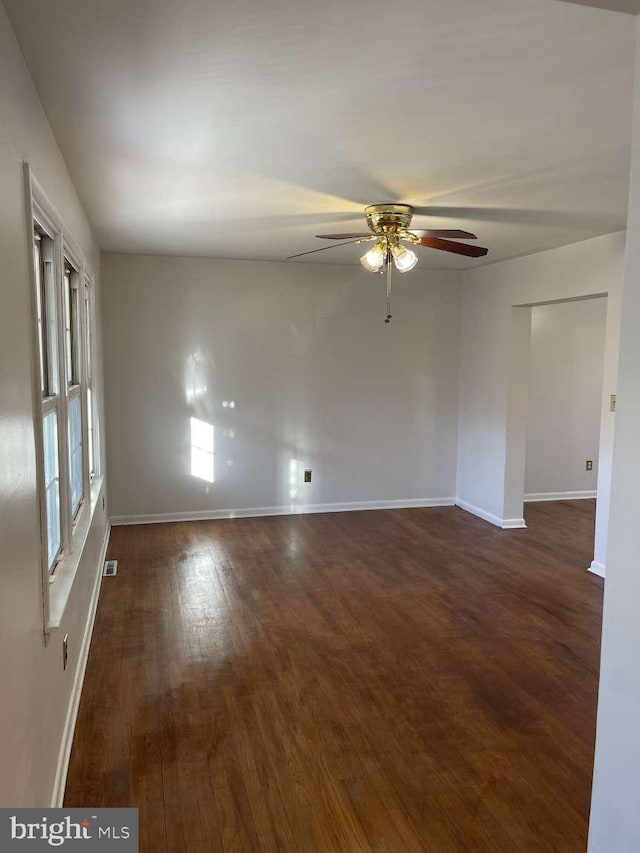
column 565, row 381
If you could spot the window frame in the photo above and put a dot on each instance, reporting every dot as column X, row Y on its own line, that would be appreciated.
column 73, row 274
column 74, row 525
column 89, row 343
column 49, row 396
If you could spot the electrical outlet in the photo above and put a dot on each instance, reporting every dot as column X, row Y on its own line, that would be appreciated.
column 589, row 464
column 307, row 475
column 65, row 651
column 612, row 404
column 110, row 569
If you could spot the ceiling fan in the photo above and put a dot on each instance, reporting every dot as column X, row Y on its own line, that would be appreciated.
column 389, row 225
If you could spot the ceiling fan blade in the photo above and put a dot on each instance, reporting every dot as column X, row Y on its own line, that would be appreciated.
column 451, row 233
column 340, row 236
column 456, row 248
column 324, row 248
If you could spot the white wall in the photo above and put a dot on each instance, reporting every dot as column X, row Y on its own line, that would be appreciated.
column 494, row 367
column 565, row 397
column 315, row 375
column 36, row 691
column 615, row 816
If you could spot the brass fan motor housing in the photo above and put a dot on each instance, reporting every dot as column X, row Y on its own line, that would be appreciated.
column 387, row 219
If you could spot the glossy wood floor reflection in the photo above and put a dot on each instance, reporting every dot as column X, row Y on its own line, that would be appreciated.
column 406, row 680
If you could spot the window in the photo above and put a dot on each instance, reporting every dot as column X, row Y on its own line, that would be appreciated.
column 74, row 381
column 64, row 363
column 71, row 349
column 92, row 434
column 52, row 486
column 47, row 341
column 76, row 484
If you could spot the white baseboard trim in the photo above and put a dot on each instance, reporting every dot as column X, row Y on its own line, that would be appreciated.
column 513, row 524
column 597, row 568
column 256, row 512
column 560, row 496
column 481, row 513
column 64, row 755
column 503, row 523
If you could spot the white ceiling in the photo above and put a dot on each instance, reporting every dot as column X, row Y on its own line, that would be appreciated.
column 242, row 128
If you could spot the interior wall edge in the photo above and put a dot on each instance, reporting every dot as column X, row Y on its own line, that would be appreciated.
column 485, row 469
column 496, row 520
column 597, row 568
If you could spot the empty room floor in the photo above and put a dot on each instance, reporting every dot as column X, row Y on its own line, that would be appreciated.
column 404, row 680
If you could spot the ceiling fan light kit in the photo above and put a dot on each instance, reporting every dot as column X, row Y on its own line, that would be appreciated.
column 374, row 259
column 389, row 226
column 404, row 259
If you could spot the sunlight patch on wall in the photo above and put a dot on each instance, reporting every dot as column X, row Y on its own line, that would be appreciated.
column 196, row 378
column 293, row 479
column 202, row 450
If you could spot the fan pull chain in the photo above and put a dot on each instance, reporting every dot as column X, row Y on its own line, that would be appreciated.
column 389, row 272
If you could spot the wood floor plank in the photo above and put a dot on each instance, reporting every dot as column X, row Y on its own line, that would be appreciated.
column 406, row 680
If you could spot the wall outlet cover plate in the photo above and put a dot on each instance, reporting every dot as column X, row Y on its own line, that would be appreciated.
column 110, row 568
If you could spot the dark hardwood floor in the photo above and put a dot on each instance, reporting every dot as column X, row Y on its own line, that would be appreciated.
column 406, row 680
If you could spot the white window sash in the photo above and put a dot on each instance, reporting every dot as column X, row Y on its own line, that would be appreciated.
column 50, row 404
column 90, row 361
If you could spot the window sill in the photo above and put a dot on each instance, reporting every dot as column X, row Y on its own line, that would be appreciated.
column 62, row 582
